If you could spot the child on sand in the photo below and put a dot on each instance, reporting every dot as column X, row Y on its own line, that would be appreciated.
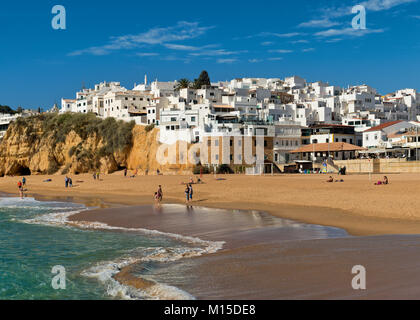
column 385, row 181
column 156, row 197
column 331, row 179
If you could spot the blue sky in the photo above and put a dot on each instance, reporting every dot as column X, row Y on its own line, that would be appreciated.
column 122, row 41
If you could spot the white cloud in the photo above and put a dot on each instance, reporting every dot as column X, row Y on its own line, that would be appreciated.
column 308, row 49
column 370, row 5
column 226, row 60
column 347, row 32
column 280, row 35
column 218, row 52
column 254, row 60
column 333, row 40
column 181, row 31
column 272, row 34
column 380, row 5
column 147, row 54
column 187, row 48
column 275, row 58
column 281, row 51
column 321, row 23
column 416, row 17
column 267, row 43
column 300, row 41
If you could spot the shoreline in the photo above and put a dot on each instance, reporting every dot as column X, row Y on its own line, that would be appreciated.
column 353, row 221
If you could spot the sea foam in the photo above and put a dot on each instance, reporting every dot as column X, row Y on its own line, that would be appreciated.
column 104, row 272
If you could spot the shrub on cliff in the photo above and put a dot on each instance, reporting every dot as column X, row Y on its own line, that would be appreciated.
column 116, row 135
column 149, row 128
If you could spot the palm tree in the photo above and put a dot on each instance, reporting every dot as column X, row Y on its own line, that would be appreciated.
column 183, row 83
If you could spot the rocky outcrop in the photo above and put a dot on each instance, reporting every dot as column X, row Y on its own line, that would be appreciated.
column 25, row 151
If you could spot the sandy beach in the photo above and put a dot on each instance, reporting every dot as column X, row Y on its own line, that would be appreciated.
column 264, row 257
column 356, row 205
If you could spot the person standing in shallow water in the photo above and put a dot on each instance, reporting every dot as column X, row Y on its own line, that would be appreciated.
column 187, row 193
column 20, row 187
column 191, row 191
column 160, row 193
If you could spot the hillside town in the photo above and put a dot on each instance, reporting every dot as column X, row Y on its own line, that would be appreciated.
column 300, row 121
column 298, row 117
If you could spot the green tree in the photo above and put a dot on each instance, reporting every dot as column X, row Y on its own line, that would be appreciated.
column 6, row 109
column 203, row 80
column 183, row 83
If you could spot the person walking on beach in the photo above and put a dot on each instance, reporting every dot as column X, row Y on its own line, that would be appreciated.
column 160, row 193
column 23, row 181
column 187, row 193
column 94, row 176
column 191, row 191
column 125, row 172
column 97, row 175
column 70, row 183
column 66, row 181
column 20, row 187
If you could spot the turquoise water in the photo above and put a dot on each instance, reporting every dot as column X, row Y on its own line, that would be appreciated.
column 29, row 249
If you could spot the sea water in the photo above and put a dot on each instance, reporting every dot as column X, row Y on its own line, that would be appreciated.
column 34, row 238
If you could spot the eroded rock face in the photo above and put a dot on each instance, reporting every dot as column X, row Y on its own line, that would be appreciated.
column 21, row 154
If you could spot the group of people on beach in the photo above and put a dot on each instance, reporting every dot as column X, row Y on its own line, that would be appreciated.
column 68, row 182
column 96, row 176
column 21, row 184
column 159, row 195
column 381, row 182
column 189, row 192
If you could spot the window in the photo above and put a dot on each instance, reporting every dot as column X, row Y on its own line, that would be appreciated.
column 216, row 143
column 192, row 119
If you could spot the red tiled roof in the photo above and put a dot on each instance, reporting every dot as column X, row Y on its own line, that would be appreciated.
column 383, row 126
column 325, row 147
